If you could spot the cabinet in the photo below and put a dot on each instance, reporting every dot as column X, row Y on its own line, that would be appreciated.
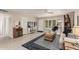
column 17, row 32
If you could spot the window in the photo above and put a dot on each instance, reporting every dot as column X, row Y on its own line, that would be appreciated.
column 50, row 23
column 53, row 23
column 46, row 23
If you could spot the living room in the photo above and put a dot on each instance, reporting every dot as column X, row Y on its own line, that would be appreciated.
column 20, row 26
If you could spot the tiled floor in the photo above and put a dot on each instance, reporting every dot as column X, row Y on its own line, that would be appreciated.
column 15, row 44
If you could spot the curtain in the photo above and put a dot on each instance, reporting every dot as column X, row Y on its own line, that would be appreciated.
column 4, row 25
column 1, row 25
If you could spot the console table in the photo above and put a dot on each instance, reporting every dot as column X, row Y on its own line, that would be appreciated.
column 17, row 32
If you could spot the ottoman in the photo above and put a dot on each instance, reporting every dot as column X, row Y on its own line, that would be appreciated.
column 49, row 36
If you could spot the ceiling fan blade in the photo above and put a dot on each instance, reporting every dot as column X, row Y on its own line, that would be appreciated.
column 3, row 10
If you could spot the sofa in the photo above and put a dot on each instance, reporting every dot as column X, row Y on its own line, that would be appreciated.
column 71, row 44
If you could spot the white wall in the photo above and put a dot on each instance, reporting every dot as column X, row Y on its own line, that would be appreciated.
column 40, row 24
column 24, row 25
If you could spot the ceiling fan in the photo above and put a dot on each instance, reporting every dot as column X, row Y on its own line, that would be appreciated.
column 2, row 10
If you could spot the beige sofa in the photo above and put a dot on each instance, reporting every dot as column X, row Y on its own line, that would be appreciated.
column 68, row 43
column 71, row 44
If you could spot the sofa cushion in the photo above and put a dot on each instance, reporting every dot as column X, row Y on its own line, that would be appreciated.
column 71, row 40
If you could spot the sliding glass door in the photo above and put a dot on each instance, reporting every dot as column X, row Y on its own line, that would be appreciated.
column 49, row 24
column 46, row 23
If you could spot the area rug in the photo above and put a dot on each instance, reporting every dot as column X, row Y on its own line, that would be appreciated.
column 40, row 44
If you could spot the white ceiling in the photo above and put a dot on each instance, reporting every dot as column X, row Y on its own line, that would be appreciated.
column 40, row 12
